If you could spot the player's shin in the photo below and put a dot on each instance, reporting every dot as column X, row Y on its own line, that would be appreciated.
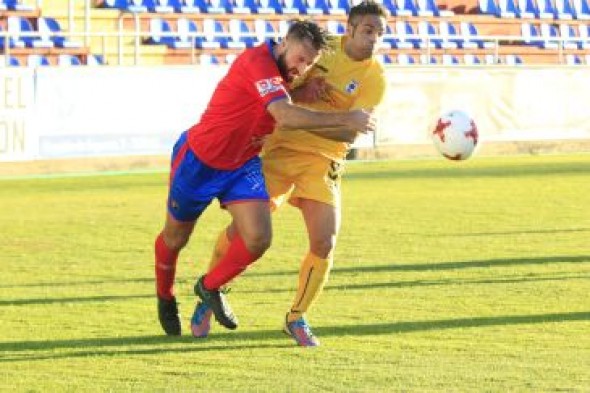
column 313, row 275
column 165, row 268
column 221, row 248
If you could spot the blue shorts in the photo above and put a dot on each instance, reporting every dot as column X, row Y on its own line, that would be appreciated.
column 193, row 185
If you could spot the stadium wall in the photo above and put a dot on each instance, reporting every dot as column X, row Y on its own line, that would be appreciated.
column 60, row 113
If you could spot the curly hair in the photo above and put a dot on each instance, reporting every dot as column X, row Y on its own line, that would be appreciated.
column 305, row 29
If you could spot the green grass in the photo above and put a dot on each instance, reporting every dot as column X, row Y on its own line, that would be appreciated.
column 448, row 276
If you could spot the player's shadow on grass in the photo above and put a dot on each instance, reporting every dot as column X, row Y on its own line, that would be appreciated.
column 419, row 267
column 148, row 345
column 65, row 300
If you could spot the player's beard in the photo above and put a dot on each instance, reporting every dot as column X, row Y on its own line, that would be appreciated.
column 282, row 65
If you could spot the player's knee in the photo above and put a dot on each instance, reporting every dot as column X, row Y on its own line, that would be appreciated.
column 324, row 247
column 176, row 240
column 258, row 243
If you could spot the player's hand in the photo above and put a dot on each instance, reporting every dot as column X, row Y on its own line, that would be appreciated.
column 311, row 91
column 363, row 120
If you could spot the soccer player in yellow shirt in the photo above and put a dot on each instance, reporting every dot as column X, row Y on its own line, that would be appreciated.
column 305, row 168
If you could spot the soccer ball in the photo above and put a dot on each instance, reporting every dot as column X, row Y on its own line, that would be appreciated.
column 455, row 135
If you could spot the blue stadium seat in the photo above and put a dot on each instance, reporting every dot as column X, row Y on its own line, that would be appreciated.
column 269, row 7
column 513, row 60
column 95, row 60
column 317, row 7
column 208, row 59
column 531, row 35
column 389, row 41
column 449, row 33
column 166, row 6
column 338, row 7
column 218, row 7
column 507, row 9
column 470, row 35
column 547, row 32
column 488, row 7
column 405, row 59
column 564, row 10
column 568, row 31
column 428, row 33
column 335, row 27
column 406, row 8
column 404, row 29
column 160, row 33
column 16, row 5
column 264, row 30
column 293, row 7
column 21, row 28
column 11, row 42
column 186, row 30
column 427, row 60
column 471, row 59
column 527, row 9
column 391, row 6
column 582, row 9
column 9, row 61
column 384, row 58
column 430, row 8
column 68, row 60
column 51, row 28
column 36, row 60
column 215, row 35
column 243, row 7
column 240, row 35
column 449, row 60
column 140, row 5
column 192, row 6
column 572, row 59
column 546, row 9
column 117, row 4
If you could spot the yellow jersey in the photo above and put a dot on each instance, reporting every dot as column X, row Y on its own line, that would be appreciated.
column 352, row 85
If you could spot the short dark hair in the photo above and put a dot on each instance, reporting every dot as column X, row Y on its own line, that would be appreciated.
column 306, row 29
column 366, row 7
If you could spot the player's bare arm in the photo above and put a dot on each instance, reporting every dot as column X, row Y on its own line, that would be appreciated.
column 289, row 116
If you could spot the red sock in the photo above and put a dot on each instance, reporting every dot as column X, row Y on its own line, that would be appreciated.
column 234, row 262
column 165, row 269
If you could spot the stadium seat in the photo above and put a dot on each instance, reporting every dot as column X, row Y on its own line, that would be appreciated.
column 11, row 42
column 9, row 61
column 564, row 10
column 582, row 9
column 50, row 28
column 116, row 4
column 513, row 60
column 186, row 30
column 218, row 7
column 264, row 30
column 427, row 60
column 243, row 7
column 449, row 33
column 269, row 7
column 449, row 60
column 488, row 7
column 405, row 59
column 547, row 32
column 338, row 7
column 470, row 35
column 507, row 9
column 334, row 27
column 406, row 8
column 388, row 40
column 429, row 37
column 404, row 29
column 36, row 60
column 317, row 7
column 293, row 7
column 166, row 6
column 208, row 59
column 19, row 27
column 139, row 5
column 528, row 9
column 430, row 8
column 384, row 58
column 571, row 59
column 568, row 31
column 471, row 59
column 530, row 35
column 192, row 6
column 66, row 60
column 491, row 59
column 160, row 33
column 215, row 35
column 240, row 35
column 16, row 5
column 546, row 9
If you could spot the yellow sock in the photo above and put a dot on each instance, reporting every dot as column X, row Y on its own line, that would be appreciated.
column 221, row 247
column 312, row 277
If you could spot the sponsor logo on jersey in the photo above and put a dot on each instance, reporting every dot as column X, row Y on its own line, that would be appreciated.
column 351, row 86
column 270, row 85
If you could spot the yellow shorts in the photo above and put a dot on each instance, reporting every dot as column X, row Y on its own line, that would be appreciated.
column 301, row 175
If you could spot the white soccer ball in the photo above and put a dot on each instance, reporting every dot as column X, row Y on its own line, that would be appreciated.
column 455, row 135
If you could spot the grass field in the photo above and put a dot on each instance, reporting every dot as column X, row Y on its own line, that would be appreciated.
column 448, row 276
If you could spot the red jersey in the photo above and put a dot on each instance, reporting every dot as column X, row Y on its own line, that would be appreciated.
column 232, row 128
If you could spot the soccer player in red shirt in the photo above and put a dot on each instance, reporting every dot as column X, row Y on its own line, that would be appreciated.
column 218, row 158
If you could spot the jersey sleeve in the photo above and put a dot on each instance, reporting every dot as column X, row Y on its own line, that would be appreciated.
column 266, row 80
column 371, row 94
